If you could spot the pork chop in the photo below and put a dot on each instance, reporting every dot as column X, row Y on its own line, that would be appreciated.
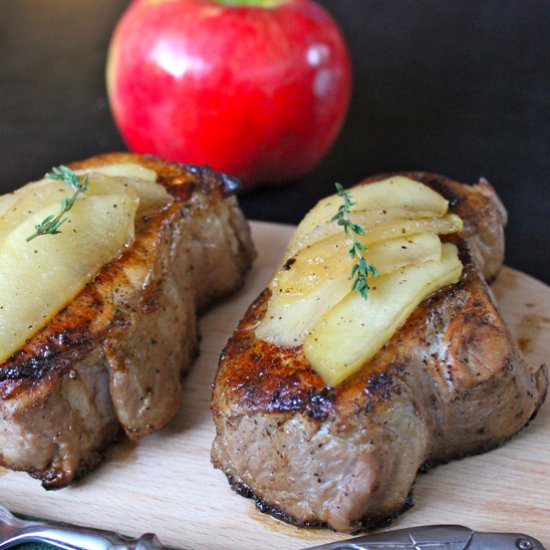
column 449, row 383
column 115, row 355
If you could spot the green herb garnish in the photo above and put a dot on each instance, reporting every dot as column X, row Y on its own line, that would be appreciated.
column 51, row 224
column 361, row 270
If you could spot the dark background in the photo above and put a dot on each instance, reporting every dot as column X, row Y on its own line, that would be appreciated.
column 455, row 87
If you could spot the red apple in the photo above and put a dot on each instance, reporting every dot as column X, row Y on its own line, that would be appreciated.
column 255, row 88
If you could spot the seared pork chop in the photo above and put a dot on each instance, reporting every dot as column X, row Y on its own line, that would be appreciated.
column 449, row 383
column 114, row 356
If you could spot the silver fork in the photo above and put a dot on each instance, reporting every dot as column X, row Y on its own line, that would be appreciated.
column 15, row 531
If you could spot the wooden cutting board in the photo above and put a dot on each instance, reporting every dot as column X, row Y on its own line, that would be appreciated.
column 166, row 484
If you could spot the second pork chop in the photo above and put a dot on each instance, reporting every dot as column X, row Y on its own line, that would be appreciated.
column 449, row 383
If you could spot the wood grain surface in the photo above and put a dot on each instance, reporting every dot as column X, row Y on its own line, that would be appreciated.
column 166, row 484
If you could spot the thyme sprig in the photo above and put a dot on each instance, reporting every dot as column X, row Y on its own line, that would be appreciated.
column 361, row 270
column 51, row 224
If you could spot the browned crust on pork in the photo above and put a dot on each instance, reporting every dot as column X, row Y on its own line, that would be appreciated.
column 451, row 377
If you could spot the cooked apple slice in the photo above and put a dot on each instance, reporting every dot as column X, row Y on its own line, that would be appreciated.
column 368, row 219
column 125, row 170
column 137, row 178
column 152, row 196
column 352, row 332
column 451, row 223
column 396, row 192
column 385, row 229
column 287, row 320
column 329, row 259
column 39, row 277
column 28, row 199
column 320, row 277
column 31, row 198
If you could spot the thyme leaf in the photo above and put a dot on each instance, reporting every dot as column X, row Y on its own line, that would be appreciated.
column 361, row 270
column 79, row 184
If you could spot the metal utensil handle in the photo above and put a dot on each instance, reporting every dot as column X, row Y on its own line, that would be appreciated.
column 15, row 531
column 436, row 537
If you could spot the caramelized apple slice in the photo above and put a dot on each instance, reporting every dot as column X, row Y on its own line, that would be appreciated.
column 394, row 193
column 125, row 170
column 28, row 199
column 352, row 332
column 39, row 277
column 450, row 223
column 329, row 259
column 137, row 179
column 320, row 277
column 384, row 229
